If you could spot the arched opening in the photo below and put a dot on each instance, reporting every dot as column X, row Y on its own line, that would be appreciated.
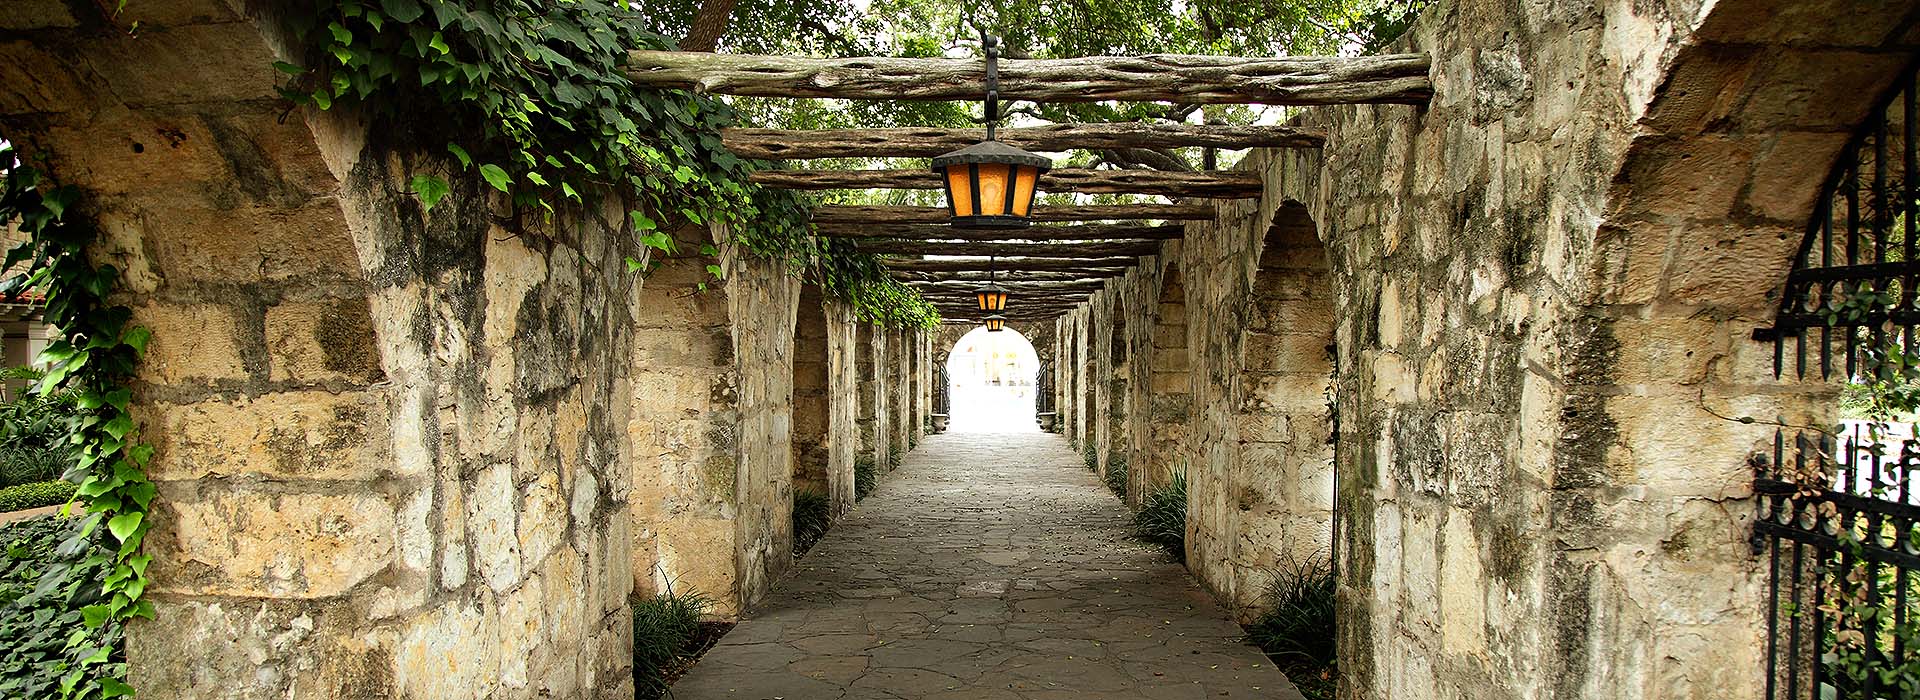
column 991, row 382
column 1169, row 401
column 1283, row 486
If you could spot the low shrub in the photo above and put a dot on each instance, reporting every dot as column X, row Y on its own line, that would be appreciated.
column 1117, row 475
column 1162, row 518
column 893, row 459
column 1297, row 630
column 48, row 574
column 34, row 433
column 666, row 636
column 866, row 477
column 1091, row 458
column 812, row 515
column 35, row 495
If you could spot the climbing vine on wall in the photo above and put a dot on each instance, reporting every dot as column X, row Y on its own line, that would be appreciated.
column 537, row 103
column 92, row 360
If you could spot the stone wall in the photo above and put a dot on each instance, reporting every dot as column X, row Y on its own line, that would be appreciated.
column 389, row 446
column 762, row 297
column 1541, row 290
column 876, row 413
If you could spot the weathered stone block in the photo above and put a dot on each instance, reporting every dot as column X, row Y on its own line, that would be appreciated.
column 303, row 435
column 344, row 536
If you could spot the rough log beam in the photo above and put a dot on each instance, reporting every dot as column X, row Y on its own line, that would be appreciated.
column 840, row 214
column 1213, row 184
column 985, row 276
column 1288, row 80
column 781, row 144
column 1028, row 250
column 937, row 286
column 1010, row 264
column 943, row 232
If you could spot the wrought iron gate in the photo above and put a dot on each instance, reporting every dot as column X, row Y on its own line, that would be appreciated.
column 1838, row 509
column 943, row 394
column 1043, row 388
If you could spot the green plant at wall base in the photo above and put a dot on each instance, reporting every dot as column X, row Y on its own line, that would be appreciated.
column 50, row 574
column 92, row 362
column 1162, row 518
column 866, row 478
column 812, row 515
column 893, row 458
column 1117, row 474
column 665, row 628
column 1297, row 629
column 1090, row 458
column 538, row 93
column 38, row 494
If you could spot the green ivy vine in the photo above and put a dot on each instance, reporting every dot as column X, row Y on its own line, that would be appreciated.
column 535, row 101
column 92, row 361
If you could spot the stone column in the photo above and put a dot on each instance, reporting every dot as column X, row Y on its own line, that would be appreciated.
column 762, row 298
column 844, row 436
column 813, row 400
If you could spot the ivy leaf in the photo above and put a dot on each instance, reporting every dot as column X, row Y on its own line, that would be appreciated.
column 341, row 35
column 137, row 339
column 431, row 189
column 123, row 525
column 466, row 161
column 403, row 10
column 658, row 241
column 633, row 265
column 642, row 221
column 496, row 176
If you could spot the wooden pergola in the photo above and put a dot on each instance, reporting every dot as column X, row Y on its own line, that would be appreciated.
column 1073, row 251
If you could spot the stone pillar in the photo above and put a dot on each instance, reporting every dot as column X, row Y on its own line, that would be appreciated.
column 813, row 400
column 899, row 387
column 1169, row 398
column 881, row 391
column 843, row 404
column 762, row 298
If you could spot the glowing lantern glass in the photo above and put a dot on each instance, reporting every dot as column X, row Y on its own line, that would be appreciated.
column 995, row 323
column 990, row 184
column 992, row 297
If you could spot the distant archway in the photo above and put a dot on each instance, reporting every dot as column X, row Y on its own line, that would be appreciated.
column 991, row 382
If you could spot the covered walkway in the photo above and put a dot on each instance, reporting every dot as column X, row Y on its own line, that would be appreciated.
column 988, row 567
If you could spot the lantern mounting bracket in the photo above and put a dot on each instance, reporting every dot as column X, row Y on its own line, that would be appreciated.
column 991, row 45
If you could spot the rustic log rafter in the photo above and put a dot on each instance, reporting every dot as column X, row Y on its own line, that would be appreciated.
column 1014, row 264
column 849, row 214
column 980, row 276
column 1213, row 184
column 783, row 144
column 942, row 232
column 1288, row 80
column 1027, row 250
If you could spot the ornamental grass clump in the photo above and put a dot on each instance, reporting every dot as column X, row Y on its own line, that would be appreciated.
column 812, row 515
column 667, row 636
column 866, row 478
column 1297, row 630
column 1162, row 518
column 1117, row 474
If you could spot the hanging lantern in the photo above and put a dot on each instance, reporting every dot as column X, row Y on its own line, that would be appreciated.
column 995, row 323
column 992, row 297
column 990, row 184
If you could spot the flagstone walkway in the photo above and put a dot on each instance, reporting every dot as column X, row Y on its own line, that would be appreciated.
column 988, row 567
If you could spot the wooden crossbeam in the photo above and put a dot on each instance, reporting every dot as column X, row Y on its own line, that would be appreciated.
column 1006, row 264
column 943, row 232
column 938, row 285
column 842, row 214
column 783, row 144
column 982, row 276
column 1286, row 80
column 1028, row 250
column 1215, row 184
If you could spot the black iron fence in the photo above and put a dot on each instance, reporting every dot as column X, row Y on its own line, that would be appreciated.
column 1839, row 520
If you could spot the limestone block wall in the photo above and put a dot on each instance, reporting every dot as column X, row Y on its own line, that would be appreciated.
column 389, row 446
column 1545, row 284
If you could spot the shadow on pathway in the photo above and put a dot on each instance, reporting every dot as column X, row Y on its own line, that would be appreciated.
column 989, row 567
